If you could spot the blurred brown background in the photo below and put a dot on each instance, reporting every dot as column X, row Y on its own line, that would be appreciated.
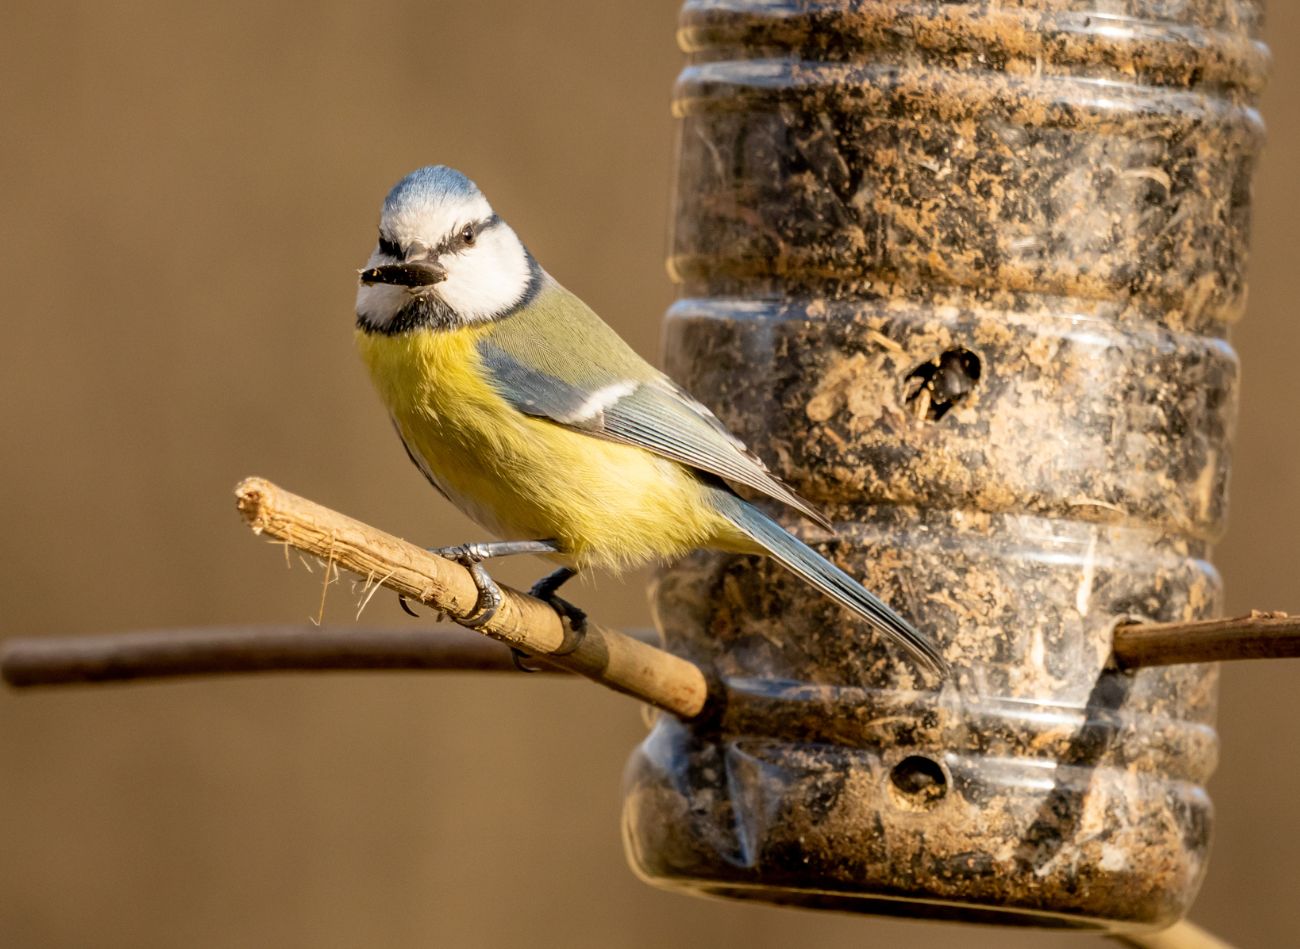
column 184, row 198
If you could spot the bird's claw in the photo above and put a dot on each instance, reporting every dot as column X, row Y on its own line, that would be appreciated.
column 405, row 604
column 518, row 656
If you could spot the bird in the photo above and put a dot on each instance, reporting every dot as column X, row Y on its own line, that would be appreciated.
column 533, row 416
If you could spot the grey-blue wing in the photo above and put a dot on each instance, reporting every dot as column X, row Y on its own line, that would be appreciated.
column 655, row 414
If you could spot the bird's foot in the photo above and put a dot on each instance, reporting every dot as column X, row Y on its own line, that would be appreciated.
column 468, row 555
column 489, row 598
column 575, row 620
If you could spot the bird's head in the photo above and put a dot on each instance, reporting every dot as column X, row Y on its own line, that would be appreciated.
column 444, row 258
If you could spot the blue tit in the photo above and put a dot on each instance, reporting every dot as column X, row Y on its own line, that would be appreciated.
column 528, row 412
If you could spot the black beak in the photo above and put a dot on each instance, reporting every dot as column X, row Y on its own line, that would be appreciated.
column 405, row 275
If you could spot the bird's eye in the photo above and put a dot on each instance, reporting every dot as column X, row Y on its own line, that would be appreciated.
column 467, row 235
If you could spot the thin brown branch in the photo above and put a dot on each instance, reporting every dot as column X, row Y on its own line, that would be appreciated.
column 170, row 653
column 1257, row 636
column 607, row 656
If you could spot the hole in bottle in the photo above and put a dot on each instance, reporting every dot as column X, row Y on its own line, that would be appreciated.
column 934, row 387
column 918, row 781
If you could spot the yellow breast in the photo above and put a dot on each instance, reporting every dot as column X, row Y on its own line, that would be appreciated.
column 608, row 504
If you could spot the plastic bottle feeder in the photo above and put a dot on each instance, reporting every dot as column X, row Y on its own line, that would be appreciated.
column 963, row 274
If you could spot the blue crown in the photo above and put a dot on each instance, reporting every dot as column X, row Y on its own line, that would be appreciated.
column 432, row 183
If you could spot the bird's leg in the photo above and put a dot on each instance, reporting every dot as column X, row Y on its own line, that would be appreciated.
column 495, row 548
column 544, row 589
column 470, row 555
column 574, row 629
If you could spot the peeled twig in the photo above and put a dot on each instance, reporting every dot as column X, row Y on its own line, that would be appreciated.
column 607, row 656
column 1257, row 636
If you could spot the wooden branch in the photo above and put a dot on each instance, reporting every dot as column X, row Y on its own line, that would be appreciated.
column 169, row 653
column 630, row 663
column 1182, row 935
column 607, row 656
column 1257, row 636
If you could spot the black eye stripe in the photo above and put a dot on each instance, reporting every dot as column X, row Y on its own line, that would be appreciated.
column 457, row 242
column 478, row 227
column 452, row 244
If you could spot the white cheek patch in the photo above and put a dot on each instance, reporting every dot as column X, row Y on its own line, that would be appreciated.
column 487, row 279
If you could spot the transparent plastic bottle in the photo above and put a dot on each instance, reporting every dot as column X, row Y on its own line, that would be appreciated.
column 962, row 273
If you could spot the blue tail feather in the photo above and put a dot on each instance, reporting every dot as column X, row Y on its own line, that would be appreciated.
column 829, row 579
